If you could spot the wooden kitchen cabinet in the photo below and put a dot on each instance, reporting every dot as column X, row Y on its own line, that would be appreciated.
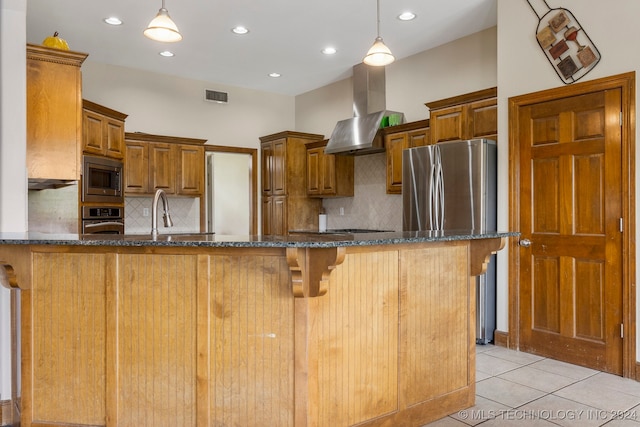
column 175, row 165
column 54, row 113
column 136, row 167
column 274, row 214
column 274, row 167
column 285, row 204
column 328, row 175
column 468, row 116
column 190, row 169
column 102, row 131
column 162, row 168
column 397, row 139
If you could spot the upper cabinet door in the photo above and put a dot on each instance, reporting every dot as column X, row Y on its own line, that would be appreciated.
column 395, row 143
column 136, row 168
column 54, row 113
column 314, row 170
column 92, row 137
column 483, row 119
column 448, row 124
column 190, row 178
column 162, row 162
column 267, row 166
column 467, row 116
column 102, row 131
column 114, row 139
column 279, row 168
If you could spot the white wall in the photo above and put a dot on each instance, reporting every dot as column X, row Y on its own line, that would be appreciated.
column 13, row 176
column 523, row 68
column 464, row 65
column 168, row 105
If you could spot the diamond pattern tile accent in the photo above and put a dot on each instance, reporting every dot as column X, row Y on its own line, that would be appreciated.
column 185, row 213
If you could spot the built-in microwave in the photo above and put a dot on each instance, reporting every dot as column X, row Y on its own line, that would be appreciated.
column 102, row 180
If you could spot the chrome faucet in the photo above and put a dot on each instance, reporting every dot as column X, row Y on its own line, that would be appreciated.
column 154, row 212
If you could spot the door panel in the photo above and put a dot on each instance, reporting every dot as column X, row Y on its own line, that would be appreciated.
column 570, row 205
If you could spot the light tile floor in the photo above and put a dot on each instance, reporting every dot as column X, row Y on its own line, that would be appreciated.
column 515, row 388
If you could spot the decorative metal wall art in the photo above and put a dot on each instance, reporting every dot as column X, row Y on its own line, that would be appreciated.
column 564, row 42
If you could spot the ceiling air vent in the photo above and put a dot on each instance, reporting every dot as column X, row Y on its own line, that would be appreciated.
column 215, row 96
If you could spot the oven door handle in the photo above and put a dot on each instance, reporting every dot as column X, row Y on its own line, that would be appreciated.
column 102, row 224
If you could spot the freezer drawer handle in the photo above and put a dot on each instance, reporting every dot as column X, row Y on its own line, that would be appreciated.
column 525, row 243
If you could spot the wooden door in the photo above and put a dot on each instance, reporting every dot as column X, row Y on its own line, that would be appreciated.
column 570, row 186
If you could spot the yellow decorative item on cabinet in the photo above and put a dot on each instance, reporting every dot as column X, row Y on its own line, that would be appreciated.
column 55, row 42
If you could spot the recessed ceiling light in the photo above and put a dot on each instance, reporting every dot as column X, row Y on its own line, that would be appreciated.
column 329, row 50
column 274, row 74
column 406, row 16
column 240, row 30
column 112, row 20
column 166, row 53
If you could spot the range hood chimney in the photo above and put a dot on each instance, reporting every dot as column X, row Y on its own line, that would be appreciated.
column 361, row 134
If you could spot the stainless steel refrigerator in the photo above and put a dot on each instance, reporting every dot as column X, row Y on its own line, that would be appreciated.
column 451, row 186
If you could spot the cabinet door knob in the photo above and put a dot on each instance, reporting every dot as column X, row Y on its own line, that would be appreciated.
column 525, row 243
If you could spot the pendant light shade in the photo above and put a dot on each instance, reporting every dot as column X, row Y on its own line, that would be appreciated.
column 379, row 54
column 162, row 28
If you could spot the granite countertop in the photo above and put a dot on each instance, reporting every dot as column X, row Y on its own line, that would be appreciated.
column 216, row 240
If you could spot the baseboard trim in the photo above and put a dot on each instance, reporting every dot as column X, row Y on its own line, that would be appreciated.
column 8, row 416
column 501, row 338
column 637, row 373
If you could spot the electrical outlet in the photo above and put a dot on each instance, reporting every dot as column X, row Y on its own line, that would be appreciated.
column 145, row 211
column 341, row 210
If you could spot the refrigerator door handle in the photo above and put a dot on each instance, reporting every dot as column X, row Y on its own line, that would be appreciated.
column 441, row 197
column 439, row 191
column 432, row 196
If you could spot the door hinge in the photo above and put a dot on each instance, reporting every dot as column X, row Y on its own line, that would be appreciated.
column 621, row 225
column 621, row 330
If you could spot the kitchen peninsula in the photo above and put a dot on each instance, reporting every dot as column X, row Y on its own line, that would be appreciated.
column 208, row 330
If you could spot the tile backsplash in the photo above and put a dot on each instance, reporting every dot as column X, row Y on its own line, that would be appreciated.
column 370, row 207
column 185, row 213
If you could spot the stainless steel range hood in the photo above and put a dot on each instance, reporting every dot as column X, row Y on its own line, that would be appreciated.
column 361, row 134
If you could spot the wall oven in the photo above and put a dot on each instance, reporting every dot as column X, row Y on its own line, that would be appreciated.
column 102, row 180
column 102, row 220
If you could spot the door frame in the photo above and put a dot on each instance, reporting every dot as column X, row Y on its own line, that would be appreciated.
column 626, row 83
column 253, row 152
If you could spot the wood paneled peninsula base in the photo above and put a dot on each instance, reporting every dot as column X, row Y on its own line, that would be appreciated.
column 204, row 330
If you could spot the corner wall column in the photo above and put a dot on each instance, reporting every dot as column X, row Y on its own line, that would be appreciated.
column 13, row 175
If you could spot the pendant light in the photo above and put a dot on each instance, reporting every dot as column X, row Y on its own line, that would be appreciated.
column 379, row 54
column 162, row 28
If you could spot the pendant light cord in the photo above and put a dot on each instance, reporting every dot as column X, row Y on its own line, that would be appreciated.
column 377, row 15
